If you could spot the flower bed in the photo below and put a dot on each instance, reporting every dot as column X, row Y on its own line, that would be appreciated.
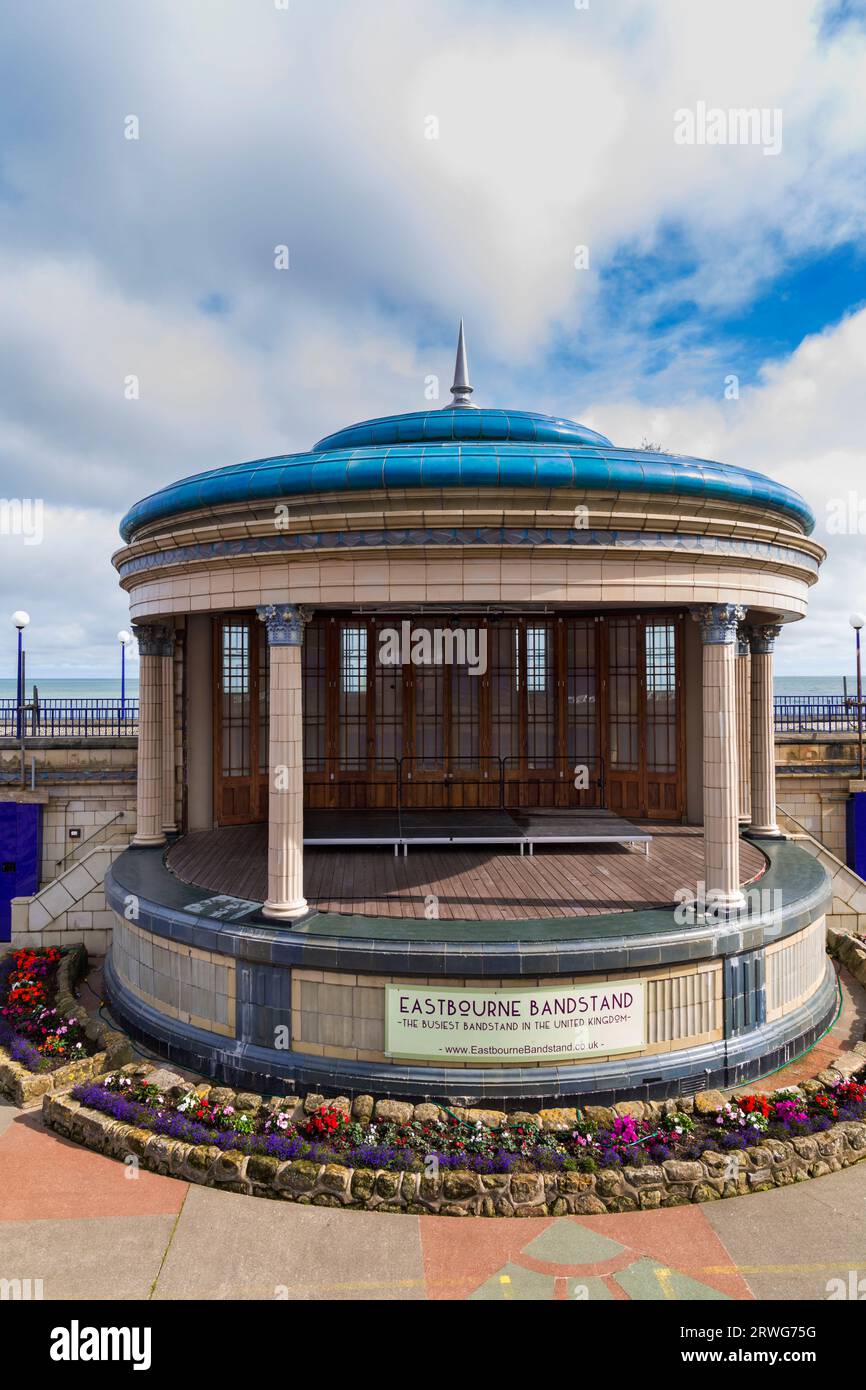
column 309, row 1152
column 329, row 1134
column 32, row 1029
column 47, row 1041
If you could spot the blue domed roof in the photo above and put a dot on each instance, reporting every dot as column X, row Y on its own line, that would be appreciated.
column 461, row 446
column 456, row 423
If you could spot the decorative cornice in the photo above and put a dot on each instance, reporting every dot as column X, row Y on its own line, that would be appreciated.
column 154, row 639
column 762, row 638
column 284, row 622
column 718, row 623
column 463, row 537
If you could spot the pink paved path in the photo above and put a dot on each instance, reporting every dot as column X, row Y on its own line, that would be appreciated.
column 88, row 1228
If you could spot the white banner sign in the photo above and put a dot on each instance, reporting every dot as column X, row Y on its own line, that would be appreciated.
column 514, row 1025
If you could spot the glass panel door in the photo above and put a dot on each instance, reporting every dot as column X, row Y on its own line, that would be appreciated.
column 240, row 724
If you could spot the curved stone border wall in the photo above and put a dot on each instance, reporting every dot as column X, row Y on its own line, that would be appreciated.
column 26, row 1088
column 675, row 1182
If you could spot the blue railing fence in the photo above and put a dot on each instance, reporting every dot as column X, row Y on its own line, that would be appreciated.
column 104, row 717
column 69, row 718
column 801, row 714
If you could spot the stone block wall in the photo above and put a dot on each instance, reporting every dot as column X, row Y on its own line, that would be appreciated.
column 109, row 810
column 71, row 908
column 817, row 802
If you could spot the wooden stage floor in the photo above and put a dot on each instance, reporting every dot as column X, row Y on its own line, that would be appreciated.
column 475, row 884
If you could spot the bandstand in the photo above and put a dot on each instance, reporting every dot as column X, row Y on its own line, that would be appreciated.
column 456, row 771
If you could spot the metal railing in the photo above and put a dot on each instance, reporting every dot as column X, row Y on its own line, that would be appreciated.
column 109, row 717
column 69, row 718
column 798, row 714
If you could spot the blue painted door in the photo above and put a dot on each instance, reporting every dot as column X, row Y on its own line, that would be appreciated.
column 855, row 810
column 20, row 855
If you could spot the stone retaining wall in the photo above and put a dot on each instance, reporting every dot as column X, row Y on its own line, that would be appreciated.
column 850, row 950
column 26, row 1088
column 675, row 1182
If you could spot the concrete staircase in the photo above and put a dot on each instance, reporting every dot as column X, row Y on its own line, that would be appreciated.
column 72, row 906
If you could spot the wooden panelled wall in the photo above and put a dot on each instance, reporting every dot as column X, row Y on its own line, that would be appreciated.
column 561, row 711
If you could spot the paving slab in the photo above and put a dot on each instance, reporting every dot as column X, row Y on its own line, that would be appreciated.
column 788, row 1244
column 44, row 1177
column 8, row 1113
column 102, row 1258
column 671, row 1254
column 279, row 1250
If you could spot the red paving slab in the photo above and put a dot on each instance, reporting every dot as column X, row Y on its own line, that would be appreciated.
column 681, row 1238
column 461, row 1255
column 44, row 1177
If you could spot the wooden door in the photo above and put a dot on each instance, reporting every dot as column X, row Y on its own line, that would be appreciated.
column 643, row 708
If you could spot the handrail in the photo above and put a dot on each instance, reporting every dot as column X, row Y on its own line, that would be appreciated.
column 100, row 829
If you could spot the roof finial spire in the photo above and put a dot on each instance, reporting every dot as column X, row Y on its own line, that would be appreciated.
column 461, row 390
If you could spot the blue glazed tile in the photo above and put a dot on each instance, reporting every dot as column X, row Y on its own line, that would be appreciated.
column 329, row 476
column 438, row 426
column 592, row 472
column 439, row 469
column 365, row 473
column 556, row 471
column 479, row 470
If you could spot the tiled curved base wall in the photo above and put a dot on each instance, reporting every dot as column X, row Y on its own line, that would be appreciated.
column 719, row 1021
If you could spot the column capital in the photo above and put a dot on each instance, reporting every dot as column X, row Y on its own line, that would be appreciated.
column 284, row 622
column 762, row 637
column 743, row 648
column 154, row 639
column 718, row 622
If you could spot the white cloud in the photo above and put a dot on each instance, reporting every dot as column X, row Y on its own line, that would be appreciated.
column 306, row 127
column 803, row 424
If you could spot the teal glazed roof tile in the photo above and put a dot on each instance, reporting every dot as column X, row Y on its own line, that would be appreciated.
column 460, row 447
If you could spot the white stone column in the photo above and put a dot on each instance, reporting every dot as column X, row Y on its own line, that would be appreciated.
column 285, row 624
column 762, row 639
column 151, row 643
column 169, row 824
column 744, row 725
column 718, row 624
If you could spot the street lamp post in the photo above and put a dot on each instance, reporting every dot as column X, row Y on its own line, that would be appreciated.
column 857, row 621
column 124, row 638
column 20, row 620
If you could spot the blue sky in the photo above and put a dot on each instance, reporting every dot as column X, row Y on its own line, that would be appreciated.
column 309, row 126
